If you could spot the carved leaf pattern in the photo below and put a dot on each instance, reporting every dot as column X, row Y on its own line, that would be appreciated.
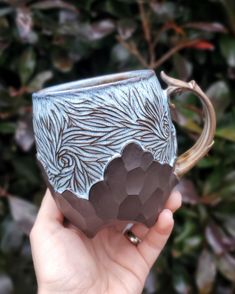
column 77, row 133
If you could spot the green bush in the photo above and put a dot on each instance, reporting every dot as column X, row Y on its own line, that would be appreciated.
column 50, row 42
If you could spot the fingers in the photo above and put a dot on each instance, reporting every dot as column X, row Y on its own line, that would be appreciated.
column 49, row 212
column 156, row 238
column 174, row 201
column 139, row 230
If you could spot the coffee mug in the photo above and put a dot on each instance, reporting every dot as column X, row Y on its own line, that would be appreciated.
column 107, row 146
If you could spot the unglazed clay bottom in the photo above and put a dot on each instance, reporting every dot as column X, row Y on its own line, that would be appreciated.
column 134, row 189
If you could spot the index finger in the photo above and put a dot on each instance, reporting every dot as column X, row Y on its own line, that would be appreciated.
column 49, row 212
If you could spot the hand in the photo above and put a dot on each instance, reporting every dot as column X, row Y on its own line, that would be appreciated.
column 66, row 261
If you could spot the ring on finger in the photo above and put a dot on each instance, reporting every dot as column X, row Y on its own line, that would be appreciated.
column 132, row 237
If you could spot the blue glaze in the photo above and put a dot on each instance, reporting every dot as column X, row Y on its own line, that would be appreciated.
column 81, row 126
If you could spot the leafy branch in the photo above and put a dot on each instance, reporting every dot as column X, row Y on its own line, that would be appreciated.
column 149, row 60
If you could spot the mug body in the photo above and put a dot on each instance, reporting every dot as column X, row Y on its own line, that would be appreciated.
column 106, row 147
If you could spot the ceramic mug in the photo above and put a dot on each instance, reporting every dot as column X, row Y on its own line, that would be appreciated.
column 107, row 146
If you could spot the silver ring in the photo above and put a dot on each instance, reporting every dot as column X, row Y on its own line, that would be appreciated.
column 132, row 237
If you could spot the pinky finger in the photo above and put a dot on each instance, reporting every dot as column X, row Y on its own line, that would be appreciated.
column 156, row 238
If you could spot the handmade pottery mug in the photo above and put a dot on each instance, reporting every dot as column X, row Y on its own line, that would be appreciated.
column 107, row 147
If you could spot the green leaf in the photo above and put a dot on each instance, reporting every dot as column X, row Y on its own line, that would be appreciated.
column 190, row 125
column 228, row 219
column 227, row 133
column 87, row 4
column 39, row 80
column 228, row 192
column 5, row 100
column 212, row 183
column 186, row 240
column 118, row 8
column 208, row 161
column 7, row 127
column 26, row 170
column 186, row 118
column 227, row 46
column 27, row 63
column 229, row 6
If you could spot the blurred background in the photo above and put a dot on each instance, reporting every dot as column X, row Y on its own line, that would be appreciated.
column 53, row 41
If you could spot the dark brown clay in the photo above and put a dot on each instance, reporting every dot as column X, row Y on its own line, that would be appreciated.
column 135, row 189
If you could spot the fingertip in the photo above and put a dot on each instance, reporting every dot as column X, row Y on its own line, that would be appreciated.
column 175, row 201
column 165, row 222
column 166, row 215
column 176, row 193
column 156, row 238
column 178, row 199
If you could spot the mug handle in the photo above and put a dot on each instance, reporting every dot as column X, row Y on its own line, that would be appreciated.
column 189, row 159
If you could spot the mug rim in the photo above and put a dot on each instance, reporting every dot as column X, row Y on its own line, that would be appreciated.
column 99, row 82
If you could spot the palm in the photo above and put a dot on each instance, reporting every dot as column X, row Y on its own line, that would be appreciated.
column 104, row 263
column 69, row 261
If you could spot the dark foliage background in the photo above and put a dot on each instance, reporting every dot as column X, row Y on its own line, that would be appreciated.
column 52, row 41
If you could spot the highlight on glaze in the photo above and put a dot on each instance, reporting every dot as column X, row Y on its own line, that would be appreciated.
column 80, row 129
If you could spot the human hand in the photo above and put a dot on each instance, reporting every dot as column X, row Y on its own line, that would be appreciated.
column 66, row 261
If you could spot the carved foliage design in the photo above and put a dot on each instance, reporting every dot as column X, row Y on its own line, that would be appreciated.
column 78, row 133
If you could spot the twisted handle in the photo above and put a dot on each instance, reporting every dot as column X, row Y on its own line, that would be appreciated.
column 189, row 159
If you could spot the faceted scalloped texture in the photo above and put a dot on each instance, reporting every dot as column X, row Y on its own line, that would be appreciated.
column 135, row 189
